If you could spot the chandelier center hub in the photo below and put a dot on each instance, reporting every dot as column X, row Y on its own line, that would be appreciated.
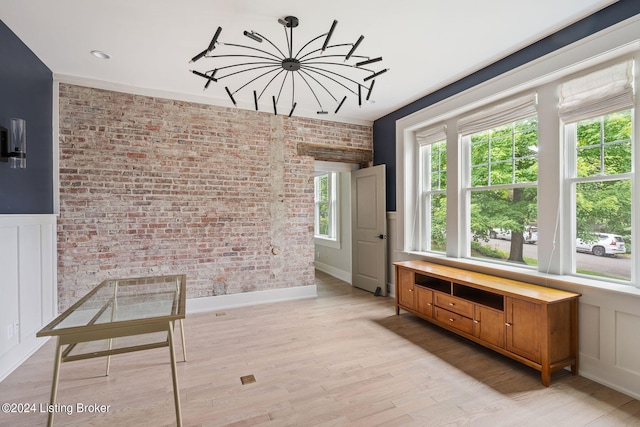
column 291, row 64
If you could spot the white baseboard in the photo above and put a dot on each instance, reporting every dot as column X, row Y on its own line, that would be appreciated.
column 205, row 304
column 10, row 361
column 345, row 276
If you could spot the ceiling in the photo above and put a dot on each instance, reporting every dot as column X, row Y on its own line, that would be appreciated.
column 425, row 44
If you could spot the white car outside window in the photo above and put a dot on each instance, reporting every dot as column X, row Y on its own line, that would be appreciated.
column 530, row 234
column 602, row 244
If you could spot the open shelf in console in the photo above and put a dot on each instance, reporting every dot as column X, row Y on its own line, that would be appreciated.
column 433, row 283
column 479, row 296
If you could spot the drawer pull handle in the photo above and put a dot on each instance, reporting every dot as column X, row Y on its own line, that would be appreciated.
column 451, row 320
column 507, row 324
column 451, row 304
column 475, row 321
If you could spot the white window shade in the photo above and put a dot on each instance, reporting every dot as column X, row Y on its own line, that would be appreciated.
column 601, row 92
column 432, row 134
column 507, row 112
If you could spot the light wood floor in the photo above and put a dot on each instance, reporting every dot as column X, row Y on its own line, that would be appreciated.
column 342, row 359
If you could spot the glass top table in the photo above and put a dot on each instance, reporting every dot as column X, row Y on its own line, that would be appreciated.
column 121, row 316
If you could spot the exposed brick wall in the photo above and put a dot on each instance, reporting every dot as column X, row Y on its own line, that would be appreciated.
column 155, row 186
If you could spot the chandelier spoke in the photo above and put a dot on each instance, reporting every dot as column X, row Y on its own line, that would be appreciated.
column 272, row 44
column 311, row 89
column 276, row 57
column 269, row 84
column 320, row 50
column 307, row 44
column 319, row 84
column 284, row 80
column 254, row 79
column 326, row 74
column 257, row 65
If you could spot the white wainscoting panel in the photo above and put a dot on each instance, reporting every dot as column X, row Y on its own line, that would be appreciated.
column 627, row 350
column 589, row 330
column 27, row 283
column 609, row 322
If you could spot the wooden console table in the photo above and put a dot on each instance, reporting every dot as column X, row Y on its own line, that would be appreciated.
column 120, row 316
column 535, row 325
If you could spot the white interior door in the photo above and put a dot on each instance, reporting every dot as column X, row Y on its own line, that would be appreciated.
column 369, row 229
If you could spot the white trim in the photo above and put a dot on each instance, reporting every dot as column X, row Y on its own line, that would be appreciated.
column 32, row 282
column 207, row 304
column 56, row 147
column 323, row 166
column 199, row 99
column 345, row 276
column 325, row 241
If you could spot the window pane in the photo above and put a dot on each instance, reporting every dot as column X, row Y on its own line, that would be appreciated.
column 501, row 173
column 603, row 228
column 588, row 162
column 438, row 222
column 527, row 169
column 589, row 133
column 480, row 176
column 479, row 151
column 617, row 158
column 503, row 225
column 443, row 181
column 322, row 188
column 433, row 210
column 323, row 218
column 438, row 166
column 326, row 205
column 501, row 149
column 604, row 145
column 617, row 126
column 505, row 155
column 442, row 149
column 432, row 182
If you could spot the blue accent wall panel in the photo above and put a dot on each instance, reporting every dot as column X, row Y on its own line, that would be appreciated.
column 384, row 128
column 26, row 92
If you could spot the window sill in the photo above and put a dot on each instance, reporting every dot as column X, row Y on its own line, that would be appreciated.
column 559, row 281
column 330, row 243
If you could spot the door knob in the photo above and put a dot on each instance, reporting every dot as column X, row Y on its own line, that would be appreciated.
column 381, row 236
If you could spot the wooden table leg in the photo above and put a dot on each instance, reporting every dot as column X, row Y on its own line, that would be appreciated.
column 174, row 373
column 54, row 383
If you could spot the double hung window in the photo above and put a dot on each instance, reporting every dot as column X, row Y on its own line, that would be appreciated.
column 432, row 146
column 325, row 186
column 597, row 112
column 501, row 180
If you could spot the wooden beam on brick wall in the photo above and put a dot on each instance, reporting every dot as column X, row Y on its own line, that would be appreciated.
column 328, row 153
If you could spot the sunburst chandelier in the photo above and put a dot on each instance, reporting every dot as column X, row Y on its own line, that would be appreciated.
column 324, row 69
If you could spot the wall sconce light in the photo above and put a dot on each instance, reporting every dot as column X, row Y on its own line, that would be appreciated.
column 13, row 144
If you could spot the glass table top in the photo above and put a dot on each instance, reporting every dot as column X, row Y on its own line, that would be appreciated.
column 124, row 300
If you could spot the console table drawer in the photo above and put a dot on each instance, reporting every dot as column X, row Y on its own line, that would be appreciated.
column 461, row 323
column 457, row 305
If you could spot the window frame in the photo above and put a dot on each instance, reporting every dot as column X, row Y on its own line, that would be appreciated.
column 425, row 223
column 555, row 241
column 570, row 140
column 467, row 187
column 333, row 187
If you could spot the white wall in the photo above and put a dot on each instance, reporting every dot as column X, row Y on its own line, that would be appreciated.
column 27, row 285
column 336, row 259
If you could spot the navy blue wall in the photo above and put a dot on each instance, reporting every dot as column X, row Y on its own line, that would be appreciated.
column 384, row 128
column 26, row 92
